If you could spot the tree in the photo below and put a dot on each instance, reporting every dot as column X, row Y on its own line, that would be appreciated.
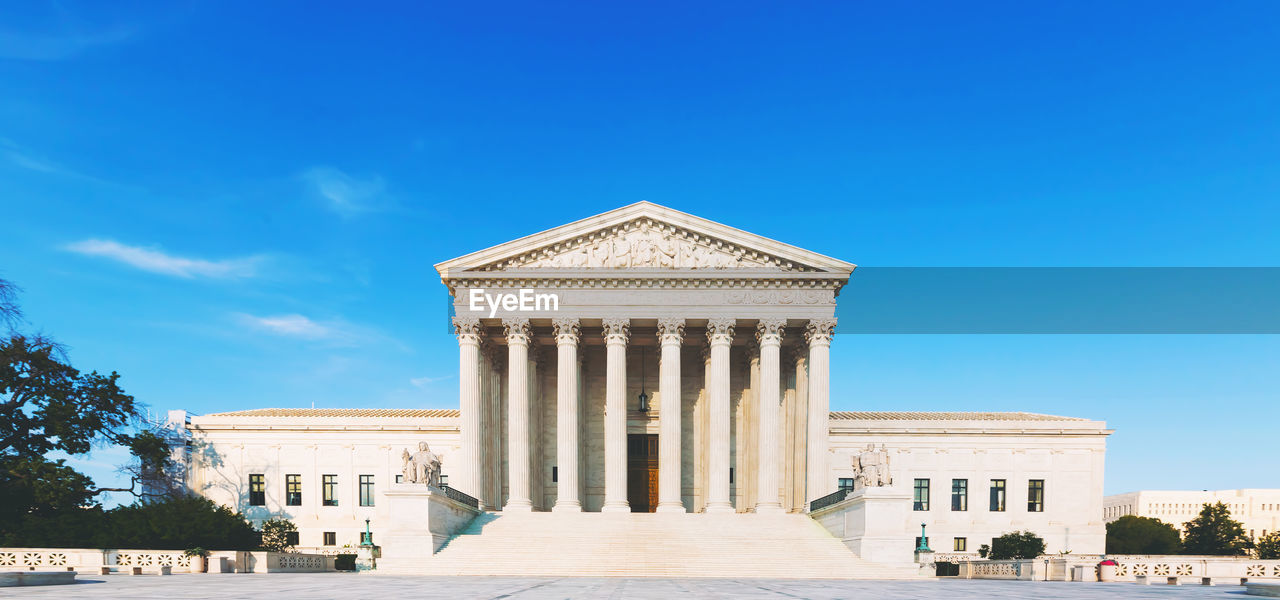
column 177, row 524
column 276, row 534
column 1016, row 545
column 1269, row 546
column 1213, row 532
column 46, row 405
column 10, row 312
column 1142, row 535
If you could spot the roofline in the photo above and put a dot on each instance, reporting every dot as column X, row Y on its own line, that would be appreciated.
column 642, row 209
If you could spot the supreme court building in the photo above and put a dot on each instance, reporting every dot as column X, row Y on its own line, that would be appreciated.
column 647, row 360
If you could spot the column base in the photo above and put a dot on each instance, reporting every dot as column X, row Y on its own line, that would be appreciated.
column 721, row 509
column 567, row 506
column 616, row 506
column 769, row 509
column 515, row 506
column 671, row 507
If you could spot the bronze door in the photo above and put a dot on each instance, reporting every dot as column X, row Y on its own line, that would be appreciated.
column 642, row 472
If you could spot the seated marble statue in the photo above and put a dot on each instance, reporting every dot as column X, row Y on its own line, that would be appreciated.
column 422, row 466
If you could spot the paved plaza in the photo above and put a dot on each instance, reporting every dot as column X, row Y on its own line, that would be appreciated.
column 346, row 586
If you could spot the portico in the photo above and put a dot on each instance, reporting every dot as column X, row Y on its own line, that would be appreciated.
column 738, row 327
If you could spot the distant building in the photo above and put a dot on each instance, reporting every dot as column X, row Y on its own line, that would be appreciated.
column 1258, row 510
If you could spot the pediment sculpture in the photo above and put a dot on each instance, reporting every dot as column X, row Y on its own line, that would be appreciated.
column 643, row 244
column 871, row 467
column 422, row 467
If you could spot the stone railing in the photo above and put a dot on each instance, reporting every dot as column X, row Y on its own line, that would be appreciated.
column 21, row 559
column 1128, row 568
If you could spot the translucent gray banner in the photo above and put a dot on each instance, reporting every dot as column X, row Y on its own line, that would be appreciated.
column 1057, row 300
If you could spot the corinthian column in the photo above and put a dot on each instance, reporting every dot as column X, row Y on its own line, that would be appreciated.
column 670, row 334
column 769, row 333
column 567, row 336
column 518, row 334
column 818, row 333
column 467, row 474
column 616, row 334
column 720, row 336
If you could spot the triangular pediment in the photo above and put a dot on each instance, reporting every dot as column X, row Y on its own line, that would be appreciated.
column 644, row 236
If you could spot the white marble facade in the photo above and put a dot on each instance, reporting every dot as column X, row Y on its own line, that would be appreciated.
column 727, row 333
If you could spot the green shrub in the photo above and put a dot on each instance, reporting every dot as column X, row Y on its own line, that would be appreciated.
column 345, row 562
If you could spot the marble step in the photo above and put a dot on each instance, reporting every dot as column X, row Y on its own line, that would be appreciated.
column 653, row 545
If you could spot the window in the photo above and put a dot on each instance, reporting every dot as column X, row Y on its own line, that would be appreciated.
column 845, row 484
column 997, row 495
column 291, row 538
column 444, row 480
column 555, row 474
column 330, row 538
column 960, row 494
column 921, row 501
column 960, row 544
column 399, row 478
column 1035, row 495
column 730, row 474
column 257, row 490
column 366, row 490
column 293, row 490
column 330, row 490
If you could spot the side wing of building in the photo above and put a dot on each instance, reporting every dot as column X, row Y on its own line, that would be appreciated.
column 976, row 476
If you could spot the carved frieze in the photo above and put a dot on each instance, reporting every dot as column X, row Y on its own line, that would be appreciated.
column 645, row 243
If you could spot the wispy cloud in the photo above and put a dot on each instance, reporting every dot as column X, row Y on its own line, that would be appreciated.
column 344, row 194
column 330, row 332
column 423, row 382
column 296, row 326
column 27, row 159
column 157, row 261
column 58, row 46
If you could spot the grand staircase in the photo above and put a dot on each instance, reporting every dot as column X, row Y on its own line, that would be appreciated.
column 652, row 545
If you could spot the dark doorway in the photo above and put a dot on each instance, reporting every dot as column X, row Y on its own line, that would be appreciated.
column 642, row 472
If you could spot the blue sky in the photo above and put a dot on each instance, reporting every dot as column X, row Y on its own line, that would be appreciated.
column 237, row 205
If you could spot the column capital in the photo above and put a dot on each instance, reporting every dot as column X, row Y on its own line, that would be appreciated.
column 616, row 330
column 720, row 331
column 468, row 329
column 670, row 331
column 567, row 331
column 819, row 331
column 771, row 331
column 517, row 330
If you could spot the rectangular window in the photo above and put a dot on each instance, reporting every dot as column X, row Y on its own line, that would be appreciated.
column 960, row 544
column 330, row 538
column 366, row 490
column 1035, row 495
column 845, row 484
column 997, row 495
column 731, row 475
column 960, row 494
column 291, row 538
column 921, row 498
column 257, row 490
column 555, row 474
column 293, row 490
column 330, row 490
column 399, row 478
column 444, row 480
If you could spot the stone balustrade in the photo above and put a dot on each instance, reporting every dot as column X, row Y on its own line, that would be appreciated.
column 21, row 559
